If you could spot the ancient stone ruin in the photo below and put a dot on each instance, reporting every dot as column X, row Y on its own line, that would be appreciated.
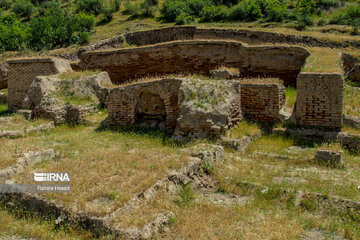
column 22, row 73
column 191, row 84
column 320, row 100
column 197, row 57
column 178, row 105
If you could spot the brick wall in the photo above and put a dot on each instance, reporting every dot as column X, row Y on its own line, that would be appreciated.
column 160, row 35
column 122, row 102
column 197, row 57
column 262, row 102
column 319, row 100
column 22, row 73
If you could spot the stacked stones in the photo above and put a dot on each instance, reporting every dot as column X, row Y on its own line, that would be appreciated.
column 197, row 57
column 262, row 102
column 320, row 100
column 122, row 102
column 22, row 73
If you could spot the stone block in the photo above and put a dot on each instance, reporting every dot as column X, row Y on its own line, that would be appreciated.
column 330, row 158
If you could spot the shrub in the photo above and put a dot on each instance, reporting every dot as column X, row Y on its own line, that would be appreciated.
column 23, row 8
column 355, row 27
column 184, row 19
column 226, row 2
column 238, row 12
column 152, row 2
column 14, row 34
column 327, row 4
column 246, row 10
column 6, row 4
column 83, row 38
column 132, row 8
column 147, row 9
column 117, row 4
column 301, row 25
column 90, row 6
column 49, row 8
column 305, row 8
column 51, row 31
column 196, row 6
column 346, row 16
column 173, row 8
column 276, row 11
column 107, row 12
column 39, row 1
column 214, row 13
column 253, row 11
column 85, row 22
column 321, row 22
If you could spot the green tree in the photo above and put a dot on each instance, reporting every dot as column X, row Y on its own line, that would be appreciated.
column 24, row 8
column 14, row 34
column 90, row 6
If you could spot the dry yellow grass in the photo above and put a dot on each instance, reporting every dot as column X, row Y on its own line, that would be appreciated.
column 268, row 161
column 261, row 80
column 72, row 75
column 259, row 217
column 17, row 122
column 351, row 101
column 106, row 166
column 350, row 130
column 323, row 60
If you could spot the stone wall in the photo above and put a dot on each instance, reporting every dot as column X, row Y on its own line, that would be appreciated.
column 160, row 35
column 197, row 57
column 127, row 104
column 3, row 75
column 320, row 100
column 154, row 36
column 262, row 102
column 351, row 66
column 22, row 73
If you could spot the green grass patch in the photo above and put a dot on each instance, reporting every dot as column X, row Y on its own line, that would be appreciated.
column 17, row 122
column 290, row 96
column 280, row 162
column 243, row 129
column 4, row 110
column 351, row 101
column 323, row 60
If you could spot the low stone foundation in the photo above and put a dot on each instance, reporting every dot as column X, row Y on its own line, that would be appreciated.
column 22, row 73
column 319, row 100
column 262, row 102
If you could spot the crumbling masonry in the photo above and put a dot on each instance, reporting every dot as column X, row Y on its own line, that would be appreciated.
column 161, row 104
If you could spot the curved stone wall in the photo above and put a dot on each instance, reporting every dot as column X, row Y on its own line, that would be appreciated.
column 197, row 57
column 248, row 36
